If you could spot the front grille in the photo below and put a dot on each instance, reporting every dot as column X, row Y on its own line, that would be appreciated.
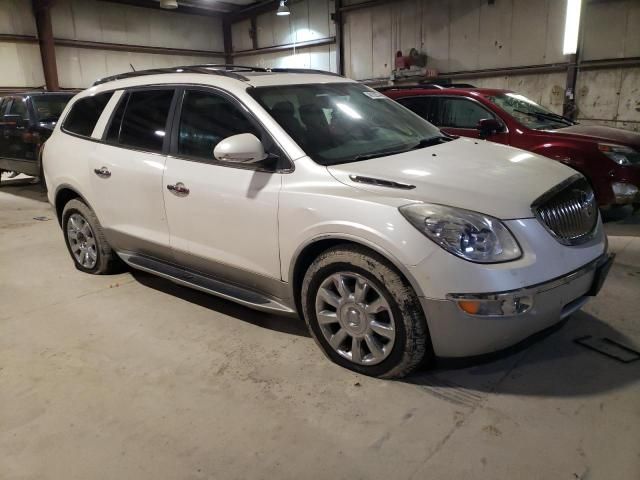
column 569, row 211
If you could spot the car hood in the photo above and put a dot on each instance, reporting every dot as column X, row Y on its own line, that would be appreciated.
column 597, row 132
column 476, row 175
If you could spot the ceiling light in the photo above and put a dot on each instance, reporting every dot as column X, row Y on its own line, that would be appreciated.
column 282, row 9
column 168, row 4
column 571, row 27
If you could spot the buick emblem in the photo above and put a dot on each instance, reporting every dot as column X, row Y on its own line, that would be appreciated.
column 585, row 202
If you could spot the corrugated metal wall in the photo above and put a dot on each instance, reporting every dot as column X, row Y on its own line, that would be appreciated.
column 470, row 35
column 21, row 65
column 309, row 20
column 93, row 21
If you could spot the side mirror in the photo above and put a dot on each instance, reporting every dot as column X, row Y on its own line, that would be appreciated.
column 242, row 148
column 14, row 120
column 489, row 126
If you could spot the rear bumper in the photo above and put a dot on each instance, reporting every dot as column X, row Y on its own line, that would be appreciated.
column 456, row 334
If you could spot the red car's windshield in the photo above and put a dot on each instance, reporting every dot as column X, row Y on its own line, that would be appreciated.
column 528, row 112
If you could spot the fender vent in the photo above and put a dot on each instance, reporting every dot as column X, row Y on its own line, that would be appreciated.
column 378, row 182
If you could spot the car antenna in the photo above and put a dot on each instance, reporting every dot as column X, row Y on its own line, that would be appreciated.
column 131, row 65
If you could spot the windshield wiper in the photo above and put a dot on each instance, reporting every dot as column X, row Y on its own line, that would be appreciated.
column 425, row 142
column 430, row 142
column 368, row 156
column 547, row 116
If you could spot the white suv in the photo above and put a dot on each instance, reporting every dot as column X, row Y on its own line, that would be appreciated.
column 301, row 191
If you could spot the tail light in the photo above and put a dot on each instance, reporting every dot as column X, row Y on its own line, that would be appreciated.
column 31, row 137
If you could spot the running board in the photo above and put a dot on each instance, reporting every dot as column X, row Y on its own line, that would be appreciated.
column 205, row 284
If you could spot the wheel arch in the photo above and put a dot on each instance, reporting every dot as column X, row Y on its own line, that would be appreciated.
column 64, row 194
column 309, row 251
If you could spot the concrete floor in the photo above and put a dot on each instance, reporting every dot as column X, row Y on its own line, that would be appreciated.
column 131, row 377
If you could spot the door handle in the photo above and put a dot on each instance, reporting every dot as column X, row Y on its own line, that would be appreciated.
column 179, row 189
column 102, row 172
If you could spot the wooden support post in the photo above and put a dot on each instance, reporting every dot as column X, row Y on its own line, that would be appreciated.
column 42, row 12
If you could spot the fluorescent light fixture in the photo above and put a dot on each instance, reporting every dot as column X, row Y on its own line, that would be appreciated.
column 571, row 27
column 282, row 9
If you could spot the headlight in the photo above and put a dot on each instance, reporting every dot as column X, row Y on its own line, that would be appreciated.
column 469, row 235
column 620, row 154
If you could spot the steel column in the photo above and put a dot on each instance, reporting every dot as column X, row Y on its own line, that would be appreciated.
column 42, row 12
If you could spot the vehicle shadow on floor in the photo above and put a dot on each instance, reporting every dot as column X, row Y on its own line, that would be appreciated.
column 24, row 187
column 291, row 325
column 552, row 365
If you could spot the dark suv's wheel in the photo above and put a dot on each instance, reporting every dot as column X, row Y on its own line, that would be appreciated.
column 363, row 314
column 85, row 240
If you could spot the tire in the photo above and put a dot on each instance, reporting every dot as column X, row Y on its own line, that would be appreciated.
column 398, row 340
column 101, row 259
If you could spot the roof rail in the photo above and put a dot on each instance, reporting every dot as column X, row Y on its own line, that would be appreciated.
column 442, row 85
column 232, row 71
column 426, row 86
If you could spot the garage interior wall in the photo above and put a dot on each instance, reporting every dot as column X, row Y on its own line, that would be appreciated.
column 102, row 23
column 309, row 21
column 467, row 36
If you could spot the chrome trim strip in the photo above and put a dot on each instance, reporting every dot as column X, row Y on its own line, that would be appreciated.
column 537, row 288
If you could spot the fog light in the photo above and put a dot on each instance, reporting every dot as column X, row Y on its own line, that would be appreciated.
column 493, row 305
column 624, row 192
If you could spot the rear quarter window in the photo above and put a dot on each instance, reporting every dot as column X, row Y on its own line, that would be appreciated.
column 84, row 114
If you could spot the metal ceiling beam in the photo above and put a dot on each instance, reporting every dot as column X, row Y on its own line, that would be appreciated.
column 254, row 10
column 192, row 10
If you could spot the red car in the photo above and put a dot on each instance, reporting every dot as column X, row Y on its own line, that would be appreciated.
column 608, row 157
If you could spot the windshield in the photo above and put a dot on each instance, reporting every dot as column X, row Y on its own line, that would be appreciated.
column 345, row 122
column 48, row 108
column 528, row 112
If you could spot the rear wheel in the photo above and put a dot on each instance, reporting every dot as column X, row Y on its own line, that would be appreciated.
column 363, row 314
column 85, row 240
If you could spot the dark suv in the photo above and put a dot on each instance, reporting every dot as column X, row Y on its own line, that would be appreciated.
column 26, row 121
column 608, row 157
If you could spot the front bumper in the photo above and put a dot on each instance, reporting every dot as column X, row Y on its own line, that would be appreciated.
column 455, row 333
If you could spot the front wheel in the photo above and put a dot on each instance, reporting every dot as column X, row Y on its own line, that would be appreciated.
column 363, row 314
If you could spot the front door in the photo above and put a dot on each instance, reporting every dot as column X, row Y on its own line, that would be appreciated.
column 223, row 218
column 126, row 173
column 460, row 116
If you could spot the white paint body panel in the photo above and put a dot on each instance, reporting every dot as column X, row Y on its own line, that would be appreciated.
column 258, row 223
column 229, row 217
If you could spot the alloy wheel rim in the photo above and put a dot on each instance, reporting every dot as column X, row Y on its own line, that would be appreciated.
column 82, row 241
column 355, row 318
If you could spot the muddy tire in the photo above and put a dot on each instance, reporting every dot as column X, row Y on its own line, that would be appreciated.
column 86, row 243
column 363, row 314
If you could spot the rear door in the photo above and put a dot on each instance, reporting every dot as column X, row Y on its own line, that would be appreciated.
column 14, row 128
column 126, row 171
column 4, row 103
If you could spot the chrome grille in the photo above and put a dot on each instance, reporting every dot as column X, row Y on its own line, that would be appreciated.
column 569, row 211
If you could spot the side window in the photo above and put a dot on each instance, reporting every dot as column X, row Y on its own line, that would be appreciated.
column 205, row 120
column 19, row 107
column 462, row 113
column 145, row 119
column 423, row 106
column 84, row 114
